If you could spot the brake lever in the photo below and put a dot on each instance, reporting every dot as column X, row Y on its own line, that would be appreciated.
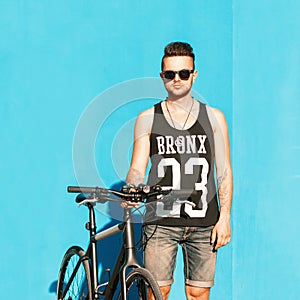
column 92, row 201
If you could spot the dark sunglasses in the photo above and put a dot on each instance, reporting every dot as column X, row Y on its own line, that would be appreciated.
column 183, row 74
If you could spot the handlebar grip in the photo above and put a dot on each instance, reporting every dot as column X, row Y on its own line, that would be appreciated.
column 74, row 189
column 82, row 189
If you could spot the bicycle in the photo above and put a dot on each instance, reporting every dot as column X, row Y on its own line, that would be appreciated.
column 78, row 276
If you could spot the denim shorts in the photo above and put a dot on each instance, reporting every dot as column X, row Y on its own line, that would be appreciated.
column 161, row 245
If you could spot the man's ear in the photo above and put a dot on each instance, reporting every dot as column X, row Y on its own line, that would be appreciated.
column 161, row 75
column 195, row 75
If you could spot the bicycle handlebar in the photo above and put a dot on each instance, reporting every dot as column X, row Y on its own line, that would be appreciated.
column 136, row 194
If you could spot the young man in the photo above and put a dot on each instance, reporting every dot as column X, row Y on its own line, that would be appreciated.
column 186, row 141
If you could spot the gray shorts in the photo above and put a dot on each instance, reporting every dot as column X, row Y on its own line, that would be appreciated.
column 161, row 251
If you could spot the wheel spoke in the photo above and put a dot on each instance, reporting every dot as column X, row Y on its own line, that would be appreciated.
column 74, row 280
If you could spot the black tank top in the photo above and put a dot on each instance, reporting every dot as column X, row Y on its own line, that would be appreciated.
column 184, row 161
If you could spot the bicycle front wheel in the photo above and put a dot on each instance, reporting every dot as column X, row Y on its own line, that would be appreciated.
column 139, row 282
column 74, row 281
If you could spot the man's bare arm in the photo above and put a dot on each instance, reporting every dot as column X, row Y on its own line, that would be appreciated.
column 222, row 231
column 141, row 148
column 225, row 191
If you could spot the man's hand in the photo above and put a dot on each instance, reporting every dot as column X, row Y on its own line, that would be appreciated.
column 129, row 188
column 129, row 204
column 221, row 233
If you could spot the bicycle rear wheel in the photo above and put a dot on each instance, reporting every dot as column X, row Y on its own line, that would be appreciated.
column 138, row 281
column 74, row 281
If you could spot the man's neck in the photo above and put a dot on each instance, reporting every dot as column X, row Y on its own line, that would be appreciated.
column 180, row 102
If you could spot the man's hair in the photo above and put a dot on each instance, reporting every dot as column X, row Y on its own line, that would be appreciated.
column 178, row 49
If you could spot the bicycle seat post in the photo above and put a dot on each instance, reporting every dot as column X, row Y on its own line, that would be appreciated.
column 94, row 263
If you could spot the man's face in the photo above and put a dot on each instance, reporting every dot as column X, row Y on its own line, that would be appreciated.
column 178, row 87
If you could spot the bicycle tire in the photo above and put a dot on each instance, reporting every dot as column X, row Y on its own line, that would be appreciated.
column 80, row 287
column 137, row 283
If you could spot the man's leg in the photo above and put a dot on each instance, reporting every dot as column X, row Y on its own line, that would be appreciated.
column 165, row 290
column 161, row 245
column 199, row 262
column 196, row 293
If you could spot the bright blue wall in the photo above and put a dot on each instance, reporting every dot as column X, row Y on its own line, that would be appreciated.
column 266, row 158
column 56, row 57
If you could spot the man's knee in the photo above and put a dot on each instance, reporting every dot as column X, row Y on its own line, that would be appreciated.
column 165, row 291
column 197, row 293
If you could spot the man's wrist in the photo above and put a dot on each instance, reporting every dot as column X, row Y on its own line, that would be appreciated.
column 225, row 214
column 130, row 184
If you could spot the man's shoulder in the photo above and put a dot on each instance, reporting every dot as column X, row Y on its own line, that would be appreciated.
column 213, row 110
column 148, row 112
column 144, row 121
column 216, row 116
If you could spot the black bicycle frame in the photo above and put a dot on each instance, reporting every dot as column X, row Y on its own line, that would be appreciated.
column 126, row 259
